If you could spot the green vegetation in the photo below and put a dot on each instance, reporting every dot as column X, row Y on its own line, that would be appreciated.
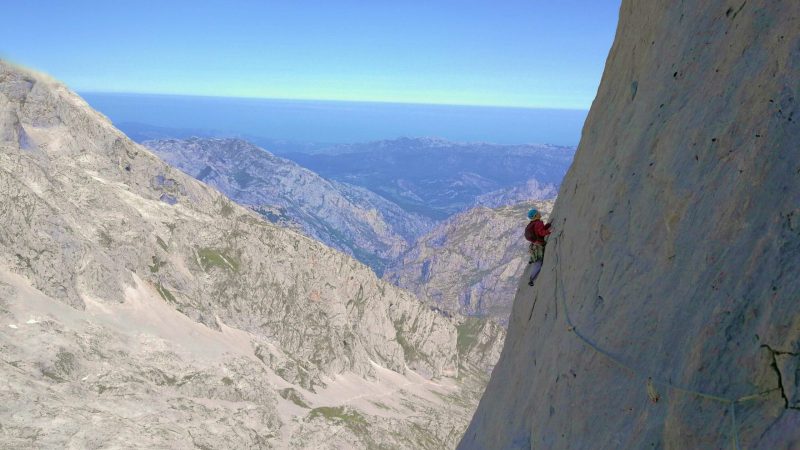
column 63, row 366
column 161, row 243
column 296, row 374
column 422, row 437
column 65, row 362
column 213, row 258
column 468, row 332
column 157, row 264
column 411, row 353
column 293, row 396
column 225, row 207
column 463, row 398
column 165, row 379
column 381, row 405
column 359, row 300
column 105, row 238
column 188, row 378
column 404, row 328
column 350, row 418
column 24, row 259
column 165, row 294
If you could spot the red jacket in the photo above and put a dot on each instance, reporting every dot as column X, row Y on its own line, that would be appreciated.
column 536, row 231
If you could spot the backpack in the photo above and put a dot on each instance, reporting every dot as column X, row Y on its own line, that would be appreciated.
column 530, row 235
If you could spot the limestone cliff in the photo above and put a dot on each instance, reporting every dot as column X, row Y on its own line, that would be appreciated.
column 673, row 272
column 139, row 307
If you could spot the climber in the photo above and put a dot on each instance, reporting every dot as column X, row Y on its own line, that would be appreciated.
column 535, row 233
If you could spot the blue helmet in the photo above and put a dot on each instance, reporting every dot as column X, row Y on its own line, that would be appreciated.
column 532, row 213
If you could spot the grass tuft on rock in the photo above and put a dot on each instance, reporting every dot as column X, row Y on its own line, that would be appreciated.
column 214, row 258
column 350, row 418
column 165, row 294
column 161, row 243
column 468, row 332
column 293, row 396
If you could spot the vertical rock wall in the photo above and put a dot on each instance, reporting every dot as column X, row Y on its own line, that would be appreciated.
column 673, row 272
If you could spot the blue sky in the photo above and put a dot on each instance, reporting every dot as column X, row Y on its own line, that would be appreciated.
column 534, row 53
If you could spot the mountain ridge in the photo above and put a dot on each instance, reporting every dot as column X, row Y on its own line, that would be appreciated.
column 117, row 265
column 349, row 218
column 437, row 178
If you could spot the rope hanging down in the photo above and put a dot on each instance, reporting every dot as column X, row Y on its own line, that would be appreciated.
column 651, row 380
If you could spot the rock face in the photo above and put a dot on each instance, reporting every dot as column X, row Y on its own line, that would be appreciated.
column 673, row 272
column 437, row 178
column 470, row 263
column 139, row 307
column 349, row 218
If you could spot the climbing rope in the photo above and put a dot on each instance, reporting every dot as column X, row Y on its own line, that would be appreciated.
column 651, row 380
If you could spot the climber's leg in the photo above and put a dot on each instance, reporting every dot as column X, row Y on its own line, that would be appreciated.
column 537, row 266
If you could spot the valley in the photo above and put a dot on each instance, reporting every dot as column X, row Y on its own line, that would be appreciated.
column 126, row 282
column 275, row 225
column 468, row 264
column 346, row 217
column 436, row 178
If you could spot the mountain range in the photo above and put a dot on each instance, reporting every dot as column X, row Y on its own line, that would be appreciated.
column 468, row 264
column 142, row 307
column 352, row 219
column 436, row 178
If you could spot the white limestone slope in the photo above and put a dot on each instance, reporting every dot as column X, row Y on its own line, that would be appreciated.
column 139, row 374
column 673, row 271
column 144, row 306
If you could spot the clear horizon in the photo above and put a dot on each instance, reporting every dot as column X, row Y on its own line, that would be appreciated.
column 321, row 100
column 518, row 54
column 337, row 122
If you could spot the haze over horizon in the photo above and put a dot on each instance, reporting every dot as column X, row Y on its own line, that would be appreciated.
column 517, row 54
column 332, row 122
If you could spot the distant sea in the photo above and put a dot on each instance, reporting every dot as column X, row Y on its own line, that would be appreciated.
column 337, row 122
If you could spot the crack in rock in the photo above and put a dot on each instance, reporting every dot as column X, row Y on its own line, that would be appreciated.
column 775, row 353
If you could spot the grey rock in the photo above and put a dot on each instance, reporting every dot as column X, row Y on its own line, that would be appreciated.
column 470, row 264
column 673, row 268
column 346, row 217
column 131, row 321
